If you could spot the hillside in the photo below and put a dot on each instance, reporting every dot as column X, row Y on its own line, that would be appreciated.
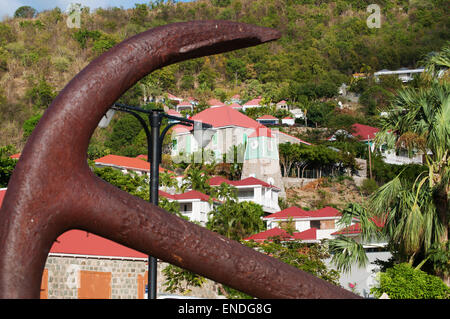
column 323, row 43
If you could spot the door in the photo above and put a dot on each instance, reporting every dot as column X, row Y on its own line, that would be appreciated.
column 94, row 285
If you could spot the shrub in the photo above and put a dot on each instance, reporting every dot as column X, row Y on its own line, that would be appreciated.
column 30, row 124
column 369, row 186
column 404, row 282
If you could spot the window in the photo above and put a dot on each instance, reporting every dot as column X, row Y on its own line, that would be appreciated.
column 315, row 224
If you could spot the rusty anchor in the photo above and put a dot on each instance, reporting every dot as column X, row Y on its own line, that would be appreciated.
column 52, row 189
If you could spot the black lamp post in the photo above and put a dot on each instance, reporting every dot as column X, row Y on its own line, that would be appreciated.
column 154, row 146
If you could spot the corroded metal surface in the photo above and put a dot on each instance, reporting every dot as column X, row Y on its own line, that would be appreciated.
column 53, row 190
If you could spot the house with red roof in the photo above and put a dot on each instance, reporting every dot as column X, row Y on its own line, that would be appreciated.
column 366, row 134
column 323, row 220
column 126, row 164
column 267, row 120
column 230, row 128
column 282, row 105
column 254, row 190
column 193, row 204
column 184, row 106
column 174, row 99
column 354, row 231
column 254, row 103
column 215, row 103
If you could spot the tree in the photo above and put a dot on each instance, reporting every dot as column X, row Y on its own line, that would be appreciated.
column 7, row 164
column 236, row 220
column 405, row 282
column 415, row 215
column 25, row 12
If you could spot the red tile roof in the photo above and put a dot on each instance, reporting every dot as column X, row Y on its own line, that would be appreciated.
column 193, row 194
column 2, row 195
column 132, row 163
column 249, row 181
column 253, row 102
column 296, row 212
column 364, row 132
column 15, row 156
column 309, row 234
column 173, row 97
column 174, row 112
column 352, row 229
column 224, row 116
column 78, row 242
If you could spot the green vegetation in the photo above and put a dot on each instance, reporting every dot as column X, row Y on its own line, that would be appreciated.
column 404, row 282
column 322, row 44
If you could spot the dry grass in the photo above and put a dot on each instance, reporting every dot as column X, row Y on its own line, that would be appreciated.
column 324, row 192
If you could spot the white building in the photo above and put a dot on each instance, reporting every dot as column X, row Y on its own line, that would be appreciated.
column 252, row 104
column 366, row 134
column 324, row 220
column 253, row 190
column 288, row 120
column 193, row 204
column 404, row 74
column 282, row 105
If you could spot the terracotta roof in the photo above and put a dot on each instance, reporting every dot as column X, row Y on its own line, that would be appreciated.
column 174, row 112
column 132, row 163
column 224, row 116
column 193, row 194
column 296, row 212
column 2, row 195
column 79, row 242
column 352, row 229
column 288, row 118
column 249, row 181
column 15, row 156
column 253, row 102
column 309, row 234
column 282, row 102
column 364, row 132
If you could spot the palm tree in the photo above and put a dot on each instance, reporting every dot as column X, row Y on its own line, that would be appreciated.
column 415, row 216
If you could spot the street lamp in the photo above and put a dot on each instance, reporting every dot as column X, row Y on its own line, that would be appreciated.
column 154, row 147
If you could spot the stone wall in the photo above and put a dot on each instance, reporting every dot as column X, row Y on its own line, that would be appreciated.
column 63, row 273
